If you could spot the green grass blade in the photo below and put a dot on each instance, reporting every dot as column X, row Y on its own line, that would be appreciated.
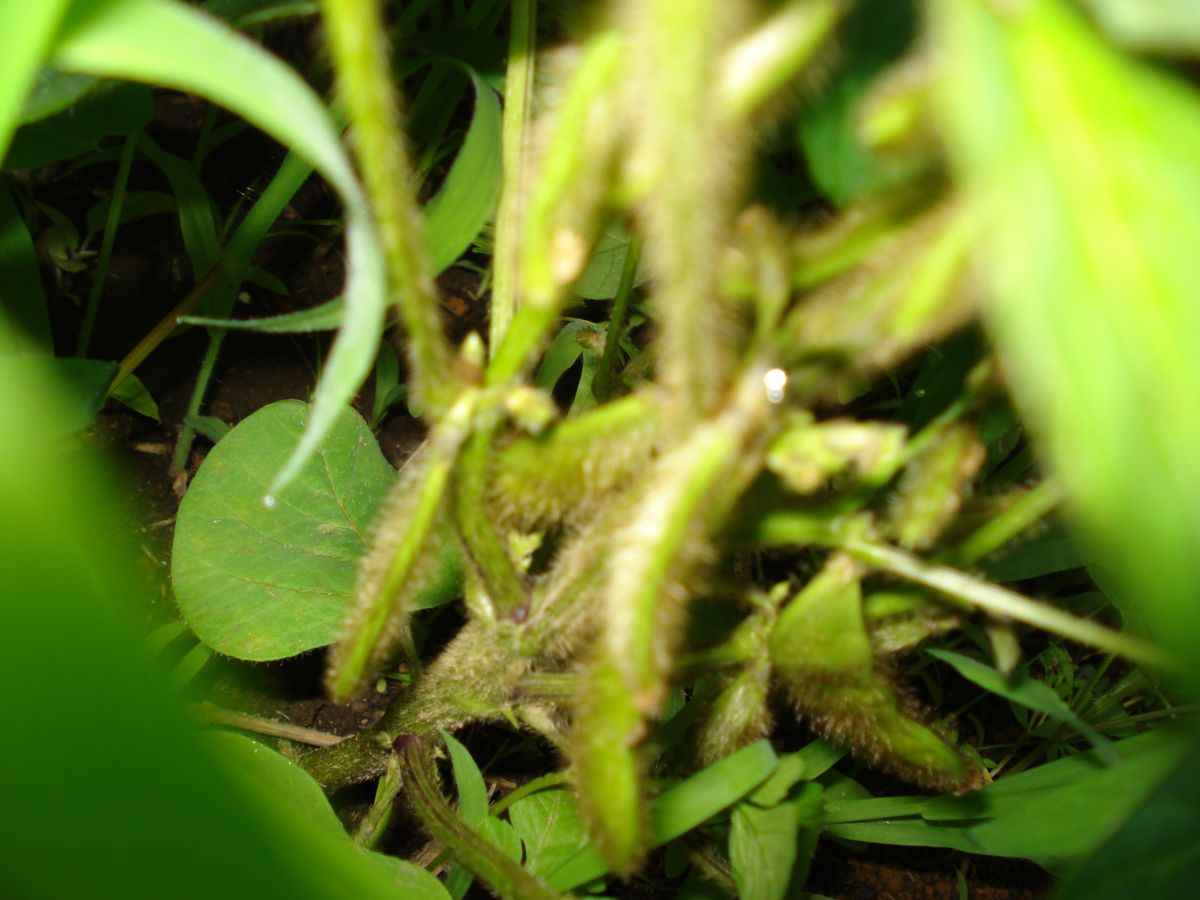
column 21, row 294
column 175, row 45
column 1022, row 689
column 458, row 212
column 683, row 806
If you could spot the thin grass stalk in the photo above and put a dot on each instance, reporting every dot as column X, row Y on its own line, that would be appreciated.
column 106, row 244
column 602, row 382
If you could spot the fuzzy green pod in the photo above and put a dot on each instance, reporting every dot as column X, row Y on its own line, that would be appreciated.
column 687, row 163
column 563, row 473
column 608, row 767
column 823, row 656
column 912, row 289
column 403, row 549
column 739, row 714
column 806, row 456
column 934, row 486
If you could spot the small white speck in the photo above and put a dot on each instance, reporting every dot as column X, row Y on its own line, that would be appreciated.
column 269, row 502
column 775, row 380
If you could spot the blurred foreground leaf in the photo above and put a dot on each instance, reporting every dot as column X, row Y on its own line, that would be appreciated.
column 1082, row 164
column 98, row 754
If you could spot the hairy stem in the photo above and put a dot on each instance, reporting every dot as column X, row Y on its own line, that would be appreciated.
column 504, row 876
column 1001, row 602
column 514, row 136
column 357, row 43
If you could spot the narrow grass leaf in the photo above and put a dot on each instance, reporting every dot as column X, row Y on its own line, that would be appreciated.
column 1052, row 814
column 196, row 220
column 682, row 807
column 467, row 198
column 1021, row 689
column 326, row 316
column 173, row 45
column 22, row 297
column 690, row 803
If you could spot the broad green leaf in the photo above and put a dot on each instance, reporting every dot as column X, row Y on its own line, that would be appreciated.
column 268, row 773
column 602, row 275
column 472, row 792
column 265, row 583
column 1155, row 853
column 467, row 198
column 53, row 91
column 1081, row 164
column 275, row 779
column 500, row 834
column 174, row 45
column 166, row 816
column 549, row 824
column 414, row 882
column 770, row 849
column 1020, row 688
column 113, row 109
column 22, row 298
column 26, row 34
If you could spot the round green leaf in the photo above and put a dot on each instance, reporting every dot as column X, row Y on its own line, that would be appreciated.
column 264, row 583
